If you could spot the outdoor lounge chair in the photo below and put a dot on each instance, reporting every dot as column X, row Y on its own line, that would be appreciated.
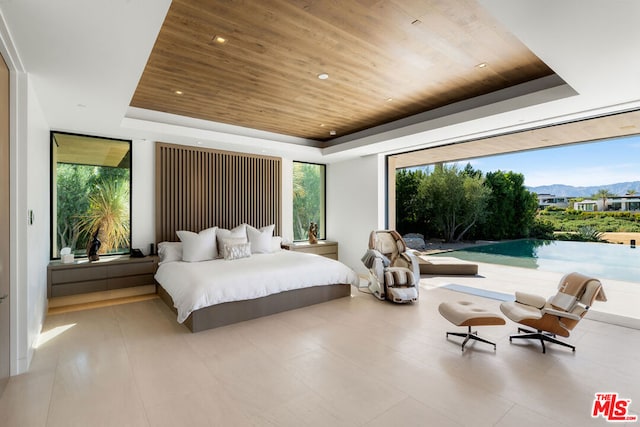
column 559, row 314
column 446, row 266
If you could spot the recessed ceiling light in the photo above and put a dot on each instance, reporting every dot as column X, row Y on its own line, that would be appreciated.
column 481, row 65
column 323, row 76
column 322, row 125
column 199, row 142
column 332, row 132
column 178, row 92
column 389, row 99
column 219, row 39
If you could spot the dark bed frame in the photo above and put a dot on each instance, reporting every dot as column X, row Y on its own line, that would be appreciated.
column 239, row 311
column 197, row 188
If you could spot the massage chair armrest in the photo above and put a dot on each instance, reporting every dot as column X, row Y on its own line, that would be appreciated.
column 415, row 267
column 530, row 299
column 560, row 313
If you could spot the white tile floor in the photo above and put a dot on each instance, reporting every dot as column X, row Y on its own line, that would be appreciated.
column 349, row 362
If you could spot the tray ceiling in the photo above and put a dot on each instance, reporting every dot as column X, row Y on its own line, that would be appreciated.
column 385, row 60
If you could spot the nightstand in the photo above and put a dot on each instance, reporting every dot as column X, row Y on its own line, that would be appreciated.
column 107, row 274
column 323, row 247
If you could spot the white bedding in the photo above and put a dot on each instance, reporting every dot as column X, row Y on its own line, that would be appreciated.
column 194, row 285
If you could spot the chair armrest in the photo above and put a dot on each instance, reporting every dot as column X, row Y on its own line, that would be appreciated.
column 530, row 299
column 415, row 267
column 559, row 313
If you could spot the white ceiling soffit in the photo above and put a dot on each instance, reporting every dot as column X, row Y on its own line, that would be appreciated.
column 84, row 58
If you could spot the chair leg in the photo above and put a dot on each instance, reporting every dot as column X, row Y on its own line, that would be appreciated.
column 542, row 336
column 469, row 335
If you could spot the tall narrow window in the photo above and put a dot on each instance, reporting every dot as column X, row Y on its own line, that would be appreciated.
column 90, row 194
column 308, row 199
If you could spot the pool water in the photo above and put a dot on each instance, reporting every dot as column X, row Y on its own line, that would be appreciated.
column 601, row 260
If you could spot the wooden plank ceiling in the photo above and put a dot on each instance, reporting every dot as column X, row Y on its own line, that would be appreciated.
column 386, row 60
column 605, row 127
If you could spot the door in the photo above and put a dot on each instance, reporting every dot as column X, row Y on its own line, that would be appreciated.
column 4, row 226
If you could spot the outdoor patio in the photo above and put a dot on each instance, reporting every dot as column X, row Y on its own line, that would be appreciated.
column 621, row 308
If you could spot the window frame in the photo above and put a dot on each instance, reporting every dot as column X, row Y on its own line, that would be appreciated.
column 53, row 192
column 322, row 228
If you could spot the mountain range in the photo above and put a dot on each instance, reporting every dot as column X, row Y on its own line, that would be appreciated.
column 618, row 189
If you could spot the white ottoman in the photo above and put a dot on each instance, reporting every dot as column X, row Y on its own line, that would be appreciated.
column 465, row 313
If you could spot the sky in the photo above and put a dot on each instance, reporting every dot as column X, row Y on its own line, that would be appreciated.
column 585, row 164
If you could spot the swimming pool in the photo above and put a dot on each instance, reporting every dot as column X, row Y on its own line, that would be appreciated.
column 601, row 260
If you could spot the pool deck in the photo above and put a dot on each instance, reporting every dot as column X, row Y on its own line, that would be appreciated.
column 623, row 298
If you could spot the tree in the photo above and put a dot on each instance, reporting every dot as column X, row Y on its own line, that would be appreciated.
column 455, row 200
column 410, row 209
column 511, row 208
column 72, row 199
column 603, row 194
column 108, row 213
column 631, row 192
column 470, row 171
column 307, row 198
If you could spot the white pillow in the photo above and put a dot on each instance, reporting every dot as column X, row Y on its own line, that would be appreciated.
column 169, row 251
column 235, row 249
column 276, row 243
column 198, row 247
column 261, row 239
column 240, row 232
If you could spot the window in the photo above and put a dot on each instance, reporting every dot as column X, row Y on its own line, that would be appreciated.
column 90, row 193
column 308, row 199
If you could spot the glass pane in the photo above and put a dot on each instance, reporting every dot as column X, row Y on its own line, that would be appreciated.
column 308, row 199
column 91, row 186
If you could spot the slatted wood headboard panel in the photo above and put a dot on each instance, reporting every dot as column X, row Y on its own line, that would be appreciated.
column 198, row 188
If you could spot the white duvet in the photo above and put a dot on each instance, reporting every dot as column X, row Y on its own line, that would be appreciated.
column 194, row 285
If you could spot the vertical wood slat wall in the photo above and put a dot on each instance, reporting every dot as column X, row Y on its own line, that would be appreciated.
column 198, row 188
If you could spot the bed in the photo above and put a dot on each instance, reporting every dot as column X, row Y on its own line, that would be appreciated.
column 199, row 189
column 219, row 292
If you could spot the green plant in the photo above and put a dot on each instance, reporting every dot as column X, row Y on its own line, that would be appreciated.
column 542, row 229
column 589, row 234
column 109, row 212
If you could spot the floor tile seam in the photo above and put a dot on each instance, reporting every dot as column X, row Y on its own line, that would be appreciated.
column 55, row 378
column 134, row 377
column 50, row 394
column 538, row 413
column 325, row 403
column 503, row 416
column 376, row 378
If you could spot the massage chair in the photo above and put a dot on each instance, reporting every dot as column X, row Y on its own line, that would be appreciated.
column 394, row 273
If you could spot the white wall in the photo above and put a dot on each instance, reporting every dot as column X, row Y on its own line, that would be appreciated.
column 355, row 205
column 38, row 232
column 143, row 201
column 29, row 243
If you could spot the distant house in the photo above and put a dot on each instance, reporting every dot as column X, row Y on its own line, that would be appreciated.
column 614, row 203
column 546, row 200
